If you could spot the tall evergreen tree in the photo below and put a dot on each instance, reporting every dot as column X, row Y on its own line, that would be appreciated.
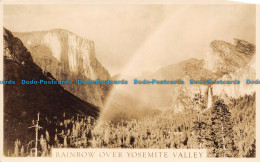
column 22, row 152
column 221, row 131
column 199, row 126
column 16, row 147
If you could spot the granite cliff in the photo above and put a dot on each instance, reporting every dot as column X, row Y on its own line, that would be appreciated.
column 68, row 57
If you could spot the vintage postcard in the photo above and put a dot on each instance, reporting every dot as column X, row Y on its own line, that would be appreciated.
column 129, row 81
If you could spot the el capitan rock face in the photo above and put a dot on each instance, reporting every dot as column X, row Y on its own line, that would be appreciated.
column 68, row 57
column 23, row 102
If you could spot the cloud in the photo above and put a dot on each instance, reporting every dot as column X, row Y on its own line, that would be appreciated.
column 119, row 31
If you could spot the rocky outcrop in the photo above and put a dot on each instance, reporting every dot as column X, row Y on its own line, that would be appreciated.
column 68, row 57
column 233, row 61
column 225, row 58
column 225, row 61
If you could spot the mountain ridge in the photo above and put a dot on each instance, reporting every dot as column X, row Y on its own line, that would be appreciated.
column 23, row 102
column 225, row 61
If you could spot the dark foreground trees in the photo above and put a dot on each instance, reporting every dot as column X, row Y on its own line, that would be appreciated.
column 224, row 130
column 222, row 137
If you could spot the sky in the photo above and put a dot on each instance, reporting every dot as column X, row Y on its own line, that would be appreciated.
column 132, row 39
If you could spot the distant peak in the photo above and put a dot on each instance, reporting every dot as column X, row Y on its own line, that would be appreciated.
column 192, row 60
column 243, row 46
column 228, row 57
column 237, row 45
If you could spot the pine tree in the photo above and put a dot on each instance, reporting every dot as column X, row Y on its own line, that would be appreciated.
column 22, row 151
column 65, row 144
column 200, row 134
column 199, row 126
column 16, row 147
column 47, row 136
column 56, row 140
column 44, row 149
column 221, row 131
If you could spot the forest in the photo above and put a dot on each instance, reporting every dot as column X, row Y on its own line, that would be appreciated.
column 227, row 129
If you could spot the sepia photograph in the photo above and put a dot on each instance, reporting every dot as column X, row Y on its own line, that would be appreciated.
column 159, row 80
